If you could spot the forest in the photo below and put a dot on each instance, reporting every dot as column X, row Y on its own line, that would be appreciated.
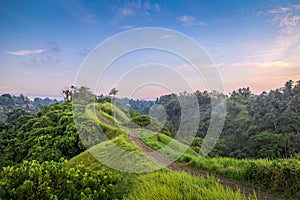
column 43, row 155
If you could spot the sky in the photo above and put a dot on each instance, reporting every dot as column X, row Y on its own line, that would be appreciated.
column 253, row 43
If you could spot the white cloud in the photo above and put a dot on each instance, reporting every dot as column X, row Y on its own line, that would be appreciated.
column 286, row 21
column 285, row 17
column 126, row 12
column 280, row 10
column 138, row 8
column 26, row 52
column 286, row 45
column 270, row 65
column 79, row 12
column 187, row 20
column 127, row 27
column 276, row 64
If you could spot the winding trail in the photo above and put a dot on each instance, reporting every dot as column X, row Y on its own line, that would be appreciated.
column 163, row 161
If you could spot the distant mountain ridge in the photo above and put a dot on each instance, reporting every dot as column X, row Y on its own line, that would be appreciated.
column 10, row 102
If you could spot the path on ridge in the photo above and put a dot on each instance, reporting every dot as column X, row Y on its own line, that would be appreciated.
column 163, row 161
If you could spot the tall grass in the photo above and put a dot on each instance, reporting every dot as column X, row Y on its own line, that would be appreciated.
column 115, row 112
column 180, row 186
column 168, row 146
column 280, row 176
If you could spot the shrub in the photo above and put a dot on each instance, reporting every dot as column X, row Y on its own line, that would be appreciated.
column 281, row 176
column 142, row 120
column 52, row 180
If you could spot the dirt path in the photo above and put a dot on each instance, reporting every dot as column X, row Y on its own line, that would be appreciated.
column 163, row 161
column 99, row 116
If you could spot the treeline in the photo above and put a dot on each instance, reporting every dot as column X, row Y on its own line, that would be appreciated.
column 256, row 126
column 10, row 102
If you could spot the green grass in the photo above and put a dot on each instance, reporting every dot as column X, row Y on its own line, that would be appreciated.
column 114, row 111
column 165, row 185
column 280, row 176
column 106, row 151
column 90, row 162
column 109, row 118
column 110, row 131
column 226, row 167
column 168, row 146
column 118, row 153
column 276, row 176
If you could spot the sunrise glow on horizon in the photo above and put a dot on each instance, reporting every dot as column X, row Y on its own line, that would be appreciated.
column 253, row 44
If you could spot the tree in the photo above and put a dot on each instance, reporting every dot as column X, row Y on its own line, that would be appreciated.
column 113, row 92
column 68, row 93
column 267, row 145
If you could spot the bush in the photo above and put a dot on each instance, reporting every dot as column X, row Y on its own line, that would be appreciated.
column 142, row 120
column 281, row 176
column 52, row 180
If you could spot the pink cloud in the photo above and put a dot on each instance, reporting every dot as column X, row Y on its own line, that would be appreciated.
column 26, row 52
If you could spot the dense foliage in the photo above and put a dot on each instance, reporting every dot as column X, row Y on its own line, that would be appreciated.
column 256, row 126
column 48, row 135
column 52, row 180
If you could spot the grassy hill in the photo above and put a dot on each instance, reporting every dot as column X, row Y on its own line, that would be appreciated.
column 280, row 176
column 162, row 185
column 108, row 166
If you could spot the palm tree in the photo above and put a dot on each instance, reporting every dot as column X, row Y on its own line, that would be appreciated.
column 113, row 92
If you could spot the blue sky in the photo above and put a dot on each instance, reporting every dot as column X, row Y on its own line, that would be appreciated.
column 43, row 43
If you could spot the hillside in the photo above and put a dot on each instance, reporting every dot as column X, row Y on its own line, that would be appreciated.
column 112, row 153
column 240, row 171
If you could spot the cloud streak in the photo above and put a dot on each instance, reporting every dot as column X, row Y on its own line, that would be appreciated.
column 127, row 27
column 49, row 55
column 187, row 20
column 270, row 65
column 285, row 17
column 138, row 8
column 75, row 9
column 26, row 52
column 126, row 12
column 286, row 45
